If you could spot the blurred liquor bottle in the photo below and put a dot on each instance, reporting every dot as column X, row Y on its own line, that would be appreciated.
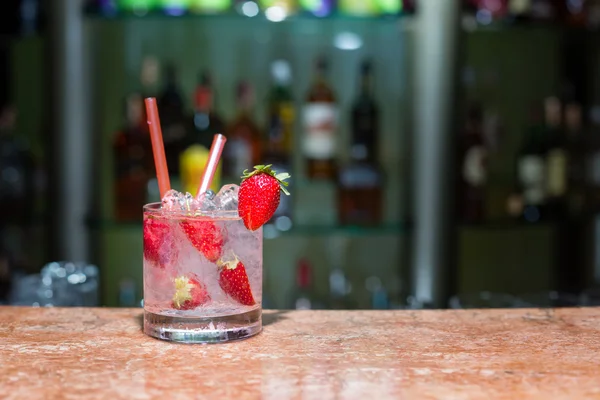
column 17, row 191
column 304, row 296
column 576, row 13
column 556, row 159
column 150, row 87
column 280, row 135
column 576, row 148
column 243, row 149
column 571, row 225
column 472, row 158
column 320, row 121
column 593, row 162
column 593, row 198
column 149, row 76
column 492, row 128
column 531, row 175
column 360, row 182
column 318, row 8
column 173, row 121
column 209, row 6
column 132, row 162
column 17, row 197
column 592, row 13
column 206, row 123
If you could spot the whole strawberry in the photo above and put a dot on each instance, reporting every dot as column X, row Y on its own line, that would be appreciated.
column 205, row 236
column 234, row 282
column 259, row 195
column 159, row 246
column 189, row 293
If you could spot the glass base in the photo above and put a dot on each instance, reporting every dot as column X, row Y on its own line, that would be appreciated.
column 203, row 330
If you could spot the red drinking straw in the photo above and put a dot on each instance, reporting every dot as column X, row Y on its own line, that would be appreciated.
column 158, row 149
column 213, row 161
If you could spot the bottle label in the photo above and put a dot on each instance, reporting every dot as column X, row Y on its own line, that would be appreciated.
column 557, row 172
column 531, row 170
column 474, row 172
column 320, row 123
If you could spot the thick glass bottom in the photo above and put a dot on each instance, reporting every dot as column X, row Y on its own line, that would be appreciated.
column 203, row 330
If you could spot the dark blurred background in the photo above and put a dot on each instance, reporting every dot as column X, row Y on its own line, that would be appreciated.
column 443, row 153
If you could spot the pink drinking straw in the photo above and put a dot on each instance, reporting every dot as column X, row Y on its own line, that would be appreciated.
column 213, row 161
column 158, row 148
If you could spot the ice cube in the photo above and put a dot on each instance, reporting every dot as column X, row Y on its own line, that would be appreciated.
column 190, row 203
column 207, row 201
column 227, row 198
column 175, row 201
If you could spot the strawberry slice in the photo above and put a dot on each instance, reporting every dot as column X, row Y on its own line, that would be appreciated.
column 189, row 293
column 205, row 236
column 259, row 195
column 234, row 281
column 158, row 241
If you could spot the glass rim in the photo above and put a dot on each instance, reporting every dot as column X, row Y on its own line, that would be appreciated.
column 156, row 207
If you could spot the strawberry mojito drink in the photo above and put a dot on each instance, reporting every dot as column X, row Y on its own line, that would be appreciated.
column 202, row 275
column 203, row 253
column 203, row 260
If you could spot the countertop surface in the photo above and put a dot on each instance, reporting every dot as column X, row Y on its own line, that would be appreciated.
column 469, row 354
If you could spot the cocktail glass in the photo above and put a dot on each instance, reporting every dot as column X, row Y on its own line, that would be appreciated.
column 195, row 269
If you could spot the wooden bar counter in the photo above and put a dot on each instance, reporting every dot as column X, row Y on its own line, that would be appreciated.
column 48, row 353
